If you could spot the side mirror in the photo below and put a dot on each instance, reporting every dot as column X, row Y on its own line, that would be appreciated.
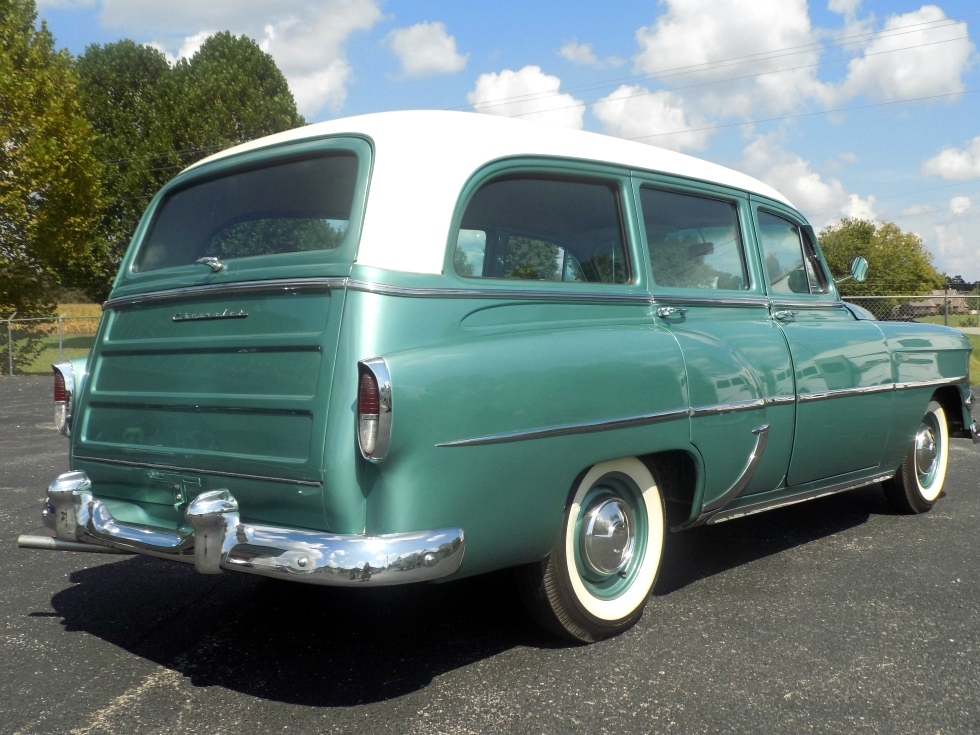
column 859, row 270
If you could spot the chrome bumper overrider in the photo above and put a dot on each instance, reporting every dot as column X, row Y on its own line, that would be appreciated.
column 219, row 540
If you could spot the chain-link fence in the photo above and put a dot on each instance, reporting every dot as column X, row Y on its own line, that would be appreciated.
column 949, row 308
column 28, row 345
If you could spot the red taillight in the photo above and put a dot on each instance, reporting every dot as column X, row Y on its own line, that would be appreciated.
column 368, row 410
column 59, row 387
column 368, row 402
column 373, row 409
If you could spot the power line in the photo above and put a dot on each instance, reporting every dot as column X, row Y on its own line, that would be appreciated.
column 734, row 61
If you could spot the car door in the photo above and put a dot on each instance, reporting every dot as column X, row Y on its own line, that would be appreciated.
column 841, row 365
column 708, row 292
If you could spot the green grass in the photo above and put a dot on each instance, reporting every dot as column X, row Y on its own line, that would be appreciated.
column 75, row 345
column 974, row 359
column 955, row 320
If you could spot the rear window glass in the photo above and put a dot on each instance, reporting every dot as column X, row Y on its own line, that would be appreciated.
column 285, row 207
column 543, row 229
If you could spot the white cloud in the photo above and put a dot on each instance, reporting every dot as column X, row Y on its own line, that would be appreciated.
column 579, row 53
column 824, row 201
column 954, row 247
column 634, row 112
column 958, row 205
column 527, row 93
column 190, row 46
column 847, row 8
column 583, row 54
column 952, row 163
column 425, row 49
column 713, row 41
column 935, row 53
column 305, row 39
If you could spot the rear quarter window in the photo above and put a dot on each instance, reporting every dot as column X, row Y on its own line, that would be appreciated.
column 540, row 228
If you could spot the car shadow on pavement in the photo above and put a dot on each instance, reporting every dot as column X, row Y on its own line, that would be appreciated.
column 709, row 550
column 295, row 643
column 332, row 647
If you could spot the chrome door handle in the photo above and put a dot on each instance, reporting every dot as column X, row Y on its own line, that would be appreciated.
column 671, row 311
column 784, row 316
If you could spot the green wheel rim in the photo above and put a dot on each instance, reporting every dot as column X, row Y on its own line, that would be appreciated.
column 612, row 490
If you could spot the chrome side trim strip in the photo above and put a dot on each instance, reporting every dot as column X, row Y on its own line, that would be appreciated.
column 778, row 400
column 845, row 392
column 931, row 383
column 538, row 295
column 625, row 423
column 801, row 304
column 759, row 301
column 884, row 388
column 741, row 482
column 225, row 289
column 216, row 473
column 722, row 408
column 745, row 510
column 515, row 436
column 490, row 293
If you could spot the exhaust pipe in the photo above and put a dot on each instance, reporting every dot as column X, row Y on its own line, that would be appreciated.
column 47, row 543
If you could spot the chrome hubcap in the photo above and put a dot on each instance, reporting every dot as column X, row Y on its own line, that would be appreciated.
column 608, row 536
column 926, row 451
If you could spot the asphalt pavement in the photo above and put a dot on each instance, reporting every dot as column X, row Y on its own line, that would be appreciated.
column 834, row 616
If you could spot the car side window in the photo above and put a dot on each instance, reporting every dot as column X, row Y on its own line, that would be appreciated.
column 694, row 241
column 542, row 228
column 792, row 264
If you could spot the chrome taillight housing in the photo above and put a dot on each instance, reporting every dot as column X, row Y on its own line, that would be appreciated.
column 373, row 408
column 64, row 391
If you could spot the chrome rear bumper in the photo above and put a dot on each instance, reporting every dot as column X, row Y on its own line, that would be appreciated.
column 219, row 540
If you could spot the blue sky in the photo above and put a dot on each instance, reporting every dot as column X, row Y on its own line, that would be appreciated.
column 849, row 107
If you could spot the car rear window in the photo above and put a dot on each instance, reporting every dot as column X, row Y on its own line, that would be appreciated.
column 287, row 206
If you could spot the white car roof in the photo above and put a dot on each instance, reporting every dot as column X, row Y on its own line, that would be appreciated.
column 423, row 158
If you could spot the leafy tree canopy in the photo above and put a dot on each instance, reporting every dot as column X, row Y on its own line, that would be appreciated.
column 152, row 120
column 129, row 94
column 48, row 172
column 231, row 92
column 898, row 262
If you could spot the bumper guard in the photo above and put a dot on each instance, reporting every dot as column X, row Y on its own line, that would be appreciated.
column 219, row 540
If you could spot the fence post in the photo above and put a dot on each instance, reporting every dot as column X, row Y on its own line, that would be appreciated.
column 946, row 304
column 10, row 342
column 60, row 320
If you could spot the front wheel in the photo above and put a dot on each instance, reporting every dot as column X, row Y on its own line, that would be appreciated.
column 919, row 480
column 597, row 579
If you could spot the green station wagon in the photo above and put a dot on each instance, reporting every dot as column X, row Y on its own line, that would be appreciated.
column 420, row 346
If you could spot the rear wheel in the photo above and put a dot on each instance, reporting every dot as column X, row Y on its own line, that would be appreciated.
column 919, row 480
column 597, row 579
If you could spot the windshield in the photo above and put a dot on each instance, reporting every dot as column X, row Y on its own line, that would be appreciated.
column 288, row 206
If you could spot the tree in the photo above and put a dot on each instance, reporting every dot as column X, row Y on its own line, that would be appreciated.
column 129, row 94
column 231, row 92
column 48, row 173
column 898, row 261
column 152, row 120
